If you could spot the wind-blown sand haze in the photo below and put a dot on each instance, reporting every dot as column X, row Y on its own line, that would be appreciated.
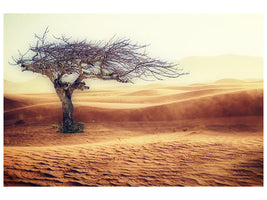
column 206, row 134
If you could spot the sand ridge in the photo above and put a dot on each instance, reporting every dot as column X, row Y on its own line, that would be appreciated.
column 195, row 135
column 169, row 159
column 238, row 103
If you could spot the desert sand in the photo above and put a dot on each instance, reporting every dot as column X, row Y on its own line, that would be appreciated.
column 208, row 134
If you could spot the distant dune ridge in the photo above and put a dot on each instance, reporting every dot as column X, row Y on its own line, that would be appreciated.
column 160, row 134
column 37, row 85
column 203, row 68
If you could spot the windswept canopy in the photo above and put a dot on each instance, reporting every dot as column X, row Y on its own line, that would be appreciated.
column 117, row 59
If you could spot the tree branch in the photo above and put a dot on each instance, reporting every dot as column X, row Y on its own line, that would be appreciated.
column 118, row 59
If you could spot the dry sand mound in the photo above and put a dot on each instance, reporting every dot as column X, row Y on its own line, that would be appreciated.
column 241, row 103
column 198, row 135
column 139, row 154
column 11, row 103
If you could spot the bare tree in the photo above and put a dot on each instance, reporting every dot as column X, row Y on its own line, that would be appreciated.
column 116, row 59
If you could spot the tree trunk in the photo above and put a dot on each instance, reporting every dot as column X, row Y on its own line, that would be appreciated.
column 67, row 108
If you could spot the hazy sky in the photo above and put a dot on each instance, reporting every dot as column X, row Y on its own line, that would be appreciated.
column 171, row 36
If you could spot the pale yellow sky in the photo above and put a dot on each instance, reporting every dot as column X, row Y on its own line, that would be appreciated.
column 171, row 36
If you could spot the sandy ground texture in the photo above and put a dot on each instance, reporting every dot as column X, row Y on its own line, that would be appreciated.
column 154, row 135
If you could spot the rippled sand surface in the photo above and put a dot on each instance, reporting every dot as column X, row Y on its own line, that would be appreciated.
column 196, row 135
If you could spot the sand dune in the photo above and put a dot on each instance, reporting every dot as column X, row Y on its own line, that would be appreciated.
column 188, row 105
column 158, row 135
column 170, row 159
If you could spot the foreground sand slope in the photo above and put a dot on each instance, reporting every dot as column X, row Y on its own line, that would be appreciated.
column 196, row 135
